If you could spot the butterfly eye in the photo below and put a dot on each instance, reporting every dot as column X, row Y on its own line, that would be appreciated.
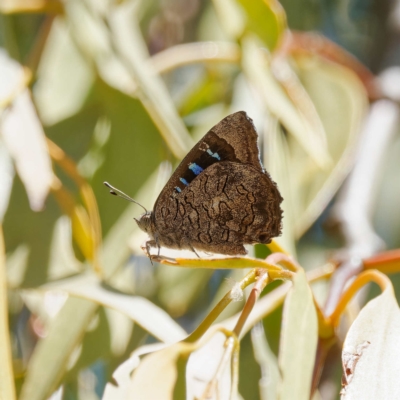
column 264, row 238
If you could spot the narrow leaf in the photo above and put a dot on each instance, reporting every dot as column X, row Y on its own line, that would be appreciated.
column 299, row 337
column 275, row 99
column 267, row 19
column 150, row 317
column 152, row 91
column 347, row 97
column 58, row 93
column 49, row 359
column 23, row 133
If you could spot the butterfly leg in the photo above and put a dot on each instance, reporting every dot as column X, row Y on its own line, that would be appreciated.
column 158, row 245
column 187, row 244
column 194, row 251
column 149, row 245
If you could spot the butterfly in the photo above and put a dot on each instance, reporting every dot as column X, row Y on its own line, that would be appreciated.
column 219, row 198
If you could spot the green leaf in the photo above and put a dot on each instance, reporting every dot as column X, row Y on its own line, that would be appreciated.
column 278, row 164
column 95, row 346
column 50, row 356
column 211, row 89
column 231, row 16
column 59, row 94
column 335, row 91
column 259, row 72
column 132, row 49
column 320, row 146
column 267, row 19
column 112, row 40
column 299, row 337
column 150, row 317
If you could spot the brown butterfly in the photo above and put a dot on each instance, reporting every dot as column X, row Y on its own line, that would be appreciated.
column 219, row 198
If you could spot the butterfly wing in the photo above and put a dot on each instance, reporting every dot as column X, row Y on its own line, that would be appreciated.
column 226, row 206
column 232, row 139
column 220, row 197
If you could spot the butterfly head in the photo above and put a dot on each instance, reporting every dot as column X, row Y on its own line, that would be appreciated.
column 145, row 223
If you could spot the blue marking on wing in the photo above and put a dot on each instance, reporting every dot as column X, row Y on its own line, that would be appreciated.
column 215, row 155
column 184, row 181
column 178, row 189
column 195, row 168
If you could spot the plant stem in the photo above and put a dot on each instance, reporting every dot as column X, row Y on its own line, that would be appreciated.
column 213, row 315
column 368, row 276
column 263, row 280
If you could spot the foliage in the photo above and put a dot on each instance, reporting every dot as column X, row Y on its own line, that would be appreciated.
column 94, row 91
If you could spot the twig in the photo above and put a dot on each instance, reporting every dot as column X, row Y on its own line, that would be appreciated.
column 368, row 276
column 263, row 280
column 213, row 315
column 285, row 260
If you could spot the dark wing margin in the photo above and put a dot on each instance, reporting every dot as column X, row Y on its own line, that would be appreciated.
column 239, row 132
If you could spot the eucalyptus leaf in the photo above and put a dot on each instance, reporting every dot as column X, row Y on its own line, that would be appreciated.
column 299, row 338
column 152, row 318
column 371, row 349
column 49, row 360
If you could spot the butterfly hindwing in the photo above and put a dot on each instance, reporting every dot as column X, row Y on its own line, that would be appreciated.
column 228, row 205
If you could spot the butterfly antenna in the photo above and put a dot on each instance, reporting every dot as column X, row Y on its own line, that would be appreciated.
column 116, row 192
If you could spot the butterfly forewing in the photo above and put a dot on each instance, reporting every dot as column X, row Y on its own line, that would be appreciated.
column 233, row 139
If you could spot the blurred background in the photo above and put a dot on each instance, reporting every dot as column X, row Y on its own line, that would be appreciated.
column 119, row 91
